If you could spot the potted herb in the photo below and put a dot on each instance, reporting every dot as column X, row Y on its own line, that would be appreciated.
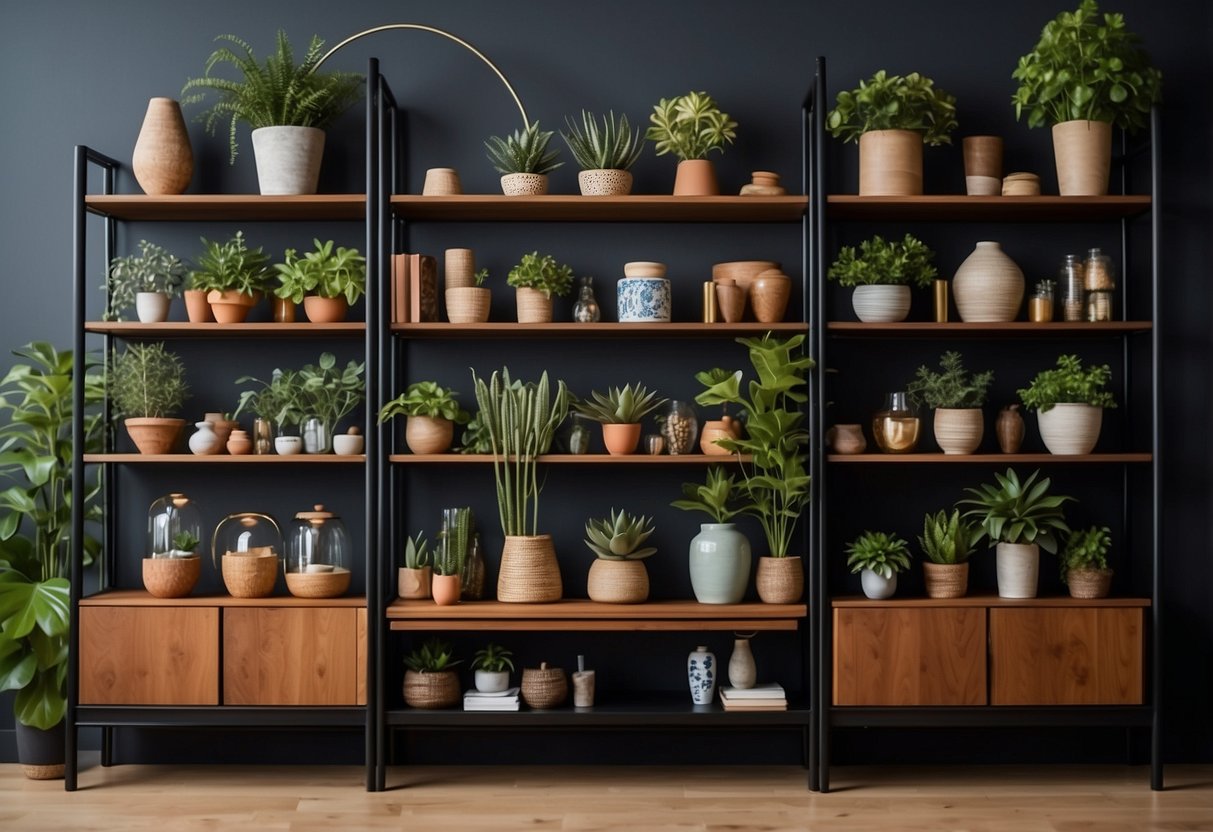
column 957, row 397
column 523, row 160
column 325, row 281
column 148, row 281
column 947, row 541
column 892, row 117
column 147, row 385
column 1086, row 74
column 277, row 405
column 469, row 304
column 605, row 155
column 432, row 412
column 327, row 394
column 535, row 279
column 881, row 274
column 720, row 554
column 288, row 105
column 691, row 126
column 492, row 665
column 617, row 575
column 1084, row 563
column 429, row 680
column 413, row 580
column 878, row 557
column 1020, row 519
column 233, row 276
column 1069, row 401
column 619, row 411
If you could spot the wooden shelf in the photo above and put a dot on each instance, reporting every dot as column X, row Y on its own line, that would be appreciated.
column 495, row 329
column 227, row 207
column 1014, row 329
column 142, row 598
column 961, row 208
column 226, row 459
column 572, row 459
column 990, row 459
column 583, row 615
column 185, row 329
column 986, row 600
column 640, row 709
column 572, row 208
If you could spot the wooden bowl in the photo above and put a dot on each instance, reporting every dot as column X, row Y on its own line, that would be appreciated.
column 171, row 577
column 318, row 584
column 742, row 271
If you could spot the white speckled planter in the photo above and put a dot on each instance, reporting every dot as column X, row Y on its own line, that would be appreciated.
column 524, row 184
column 288, row 159
column 605, row 182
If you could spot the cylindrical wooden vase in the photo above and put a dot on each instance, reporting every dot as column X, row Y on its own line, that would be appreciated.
column 890, row 163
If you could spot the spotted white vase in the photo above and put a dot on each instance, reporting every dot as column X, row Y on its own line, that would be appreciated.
column 701, row 675
column 605, row 182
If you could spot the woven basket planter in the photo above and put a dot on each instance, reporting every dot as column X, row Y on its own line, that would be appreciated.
column 529, row 573
column 534, row 306
column 618, row 582
column 318, row 584
column 430, row 691
column 946, row 580
column 1089, row 583
column 171, row 577
column 780, row 580
column 544, row 687
column 249, row 576
column 468, row 304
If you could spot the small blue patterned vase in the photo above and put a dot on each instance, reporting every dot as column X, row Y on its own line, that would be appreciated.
column 701, row 675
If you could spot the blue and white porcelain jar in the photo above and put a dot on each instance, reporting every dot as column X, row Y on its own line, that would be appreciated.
column 643, row 295
column 701, row 675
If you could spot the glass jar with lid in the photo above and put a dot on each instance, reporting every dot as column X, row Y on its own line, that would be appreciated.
column 318, row 555
column 171, row 566
column 246, row 547
column 1040, row 305
column 1100, row 281
column 1072, row 278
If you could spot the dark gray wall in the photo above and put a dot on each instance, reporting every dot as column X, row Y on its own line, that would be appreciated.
column 81, row 72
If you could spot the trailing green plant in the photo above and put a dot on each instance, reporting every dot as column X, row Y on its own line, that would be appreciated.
column 947, row 539
column 619, row 537
column 952, row 387
column 884, row 263
column 146, row 380
column 1069, row 383
column 1015, row 512
column 454, row 542
column 776, row 482
column 884, row 554
column 894, row 102
column 1086, row 550
column 323, row 272
column 625, row 405
column 36, row 453
column 279, row 400
column 185, row 542
column 614, row 146
column 232, row 266
column 541, row 273
column 153, row 269
column 690, row 126
column 1087, row 66
column 523, row 151
column 493, row 658
column 274, row 94
column 426, row 398
column 417, row 552
column 433, row 656
column 715, row 497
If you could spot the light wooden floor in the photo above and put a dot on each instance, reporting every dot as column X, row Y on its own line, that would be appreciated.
column 309, row 799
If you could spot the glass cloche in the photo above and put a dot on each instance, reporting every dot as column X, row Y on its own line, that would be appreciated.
column 174, row 527
column 246, row 548
column 318, row 555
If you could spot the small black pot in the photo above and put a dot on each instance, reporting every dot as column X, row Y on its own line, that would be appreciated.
column 41, row 753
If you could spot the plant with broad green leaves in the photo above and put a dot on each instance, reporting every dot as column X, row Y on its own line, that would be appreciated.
column 279, row 400
column 619, row 537
column 153, row 269
column 541, row 273
column 146, row 380
column 493, row 658
column 1015, row 512
column 625, row 405
column 614, row 146
column 947, row 539
column 417, row 552
column 884, row 554
column 426, row 398
column 714, row 498
column 433, row 656
column 894, row 102
column 523, row 151
column 329, row 392
column 323, row 272
column 690, row 126
column 232, row 266
column 476, row 439
column 890, row 263
column 1069, row 383
column 952, row 387
column 1087, row 66
column 1086, row 550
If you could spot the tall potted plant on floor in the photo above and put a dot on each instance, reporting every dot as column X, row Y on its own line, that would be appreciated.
column 957, row 397
column 881, row 273
column 691, row 126
column 1070, row 401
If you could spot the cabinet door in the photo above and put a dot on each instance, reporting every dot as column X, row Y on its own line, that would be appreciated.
column 282, row 656
column 149, row 656
column 909, row 656
column 1066, row 656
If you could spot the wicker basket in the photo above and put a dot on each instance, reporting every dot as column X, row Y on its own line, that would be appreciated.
column 431, row 691
column 544, row 687
column 318, row 584
column 468, row 304
column 529, row 573
column 51, row 772
column 171, row 577
column 534, row 306
column 250, row 575
column 946, row 580
column 618, row 582
column 780, row 580
column 1089, row 583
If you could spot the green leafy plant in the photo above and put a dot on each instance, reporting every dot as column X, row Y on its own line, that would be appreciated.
column 426, row 398
column 1086, row 550
column 894, row 102
column 274, row 94
column 1014, row 512
column 1069, row 383
column 884, row 554
column 185, row 542
column 328, row 392
column 417, row 552
column 476, row 438
column 542, row 273
column 493, row 658
column 153, row 269
column 947, row 539
column 146, row 380
column 232, row 266
column 480, row 276
column 625, row 405
column 1087, row 66
column 523, row 151
column 619, row 537
column 434, row 656
column 323, row 272
column 279, row 400
column 714, row 498
column 886, row 263
column 776, row 483
column 952, row 387
column 614, row 146
column 690, row 126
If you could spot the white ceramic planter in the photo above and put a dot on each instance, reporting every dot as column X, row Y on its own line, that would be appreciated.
column 1069, row 429
column 152, row 307
column 288, row 445
column 524, row 184
column 604, row 182
column 288, row 159
column 876, row 587
column 492, row 681
column 958, row 431
column 881, row 304
column 348, row 444
column 1018, row 567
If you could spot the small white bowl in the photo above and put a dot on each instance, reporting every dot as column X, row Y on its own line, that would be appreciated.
column 288, row 445
column 348, row 444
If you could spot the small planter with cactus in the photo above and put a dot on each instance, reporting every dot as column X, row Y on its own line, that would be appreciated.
column 947, row 541
column 147, row 386
column 325, row 281
column 523, row 160
column 605, row 154
column 535, row 279
column 469, row 304
column 1084, row 563
column 619, row 411
column 432, row 412
column 881, row 273
column 691, row 126
column 878, row 557
column 1070, row 401
column 148, row 281
column 618, row 575
column 957, row 397
column 414, row 579
column 451, row 554
column 233, row 276
column 430, row 681
column 492, row 666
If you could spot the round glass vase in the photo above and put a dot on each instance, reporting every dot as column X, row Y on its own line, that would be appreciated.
column 680, row 427
column 896, row 426
column 318, row 555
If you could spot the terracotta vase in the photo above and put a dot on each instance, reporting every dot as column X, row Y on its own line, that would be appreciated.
column 1010, row 429
column 428, row 434
column 890, row 163
column 325, row 310
column 197, row 307
column 239, row 443
column 154, row 436
column 445, row 589
column 769, row 295
column 726, row 427
column 163, row 162
column 988, row 286
column 1082, row 151
column 846, row 439
column 696, row 177
column 621, row 440
column 534, row 306
column 230, row 307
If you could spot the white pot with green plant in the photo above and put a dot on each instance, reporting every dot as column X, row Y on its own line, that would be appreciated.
column 492, row 665
column 1086, row 74
column 288, row 105
column 620, row 411
column 957, row 397
column 147, row 385
column 878, row 557
column 1070, row 402
column 605, row 154
column 327, row 394
column 892, row 117
column 618, row 575
column 413, row 580
column 881, row 274
column 148, row 281
column 535, row 279
column 947, row 542
column 720, row 555
column 277, row 405
column 233, row 276
column 432, row 412
column 691, row 126
column 469, row 304
column 326, row 281
column 523, row 160
column 1084, row 562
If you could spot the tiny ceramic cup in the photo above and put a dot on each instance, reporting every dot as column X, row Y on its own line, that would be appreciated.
column 288, row 445
column 348, row 444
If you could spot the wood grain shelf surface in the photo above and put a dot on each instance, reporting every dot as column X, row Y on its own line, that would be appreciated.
column 226, row 459
column 987, row 600
column 572, row 459
column 142, row 598
column 227, row 207
column 505, row 329
column 574, row 208
column 640, row 709
column 960, row 329
column 989, row 459
column 185, row 329
column 963, row 208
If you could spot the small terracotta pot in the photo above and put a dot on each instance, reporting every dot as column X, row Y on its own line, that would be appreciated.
column 197, row 308
column 445, row 589
column 780, row 580
column 621, row 440
column 534, row 306
column 428, row 434
column 325, row 310
column 154, row 436
column 890, row 163
column 724, row 428
column 414, row 584
column 239, row 443
column 696, row 177
column 846, row 439
column 223, row 429
column 769, row 295
column 230, row 307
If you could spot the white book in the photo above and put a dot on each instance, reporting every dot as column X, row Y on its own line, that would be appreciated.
column 498, row 705
column 476, row 694
column 771, row 690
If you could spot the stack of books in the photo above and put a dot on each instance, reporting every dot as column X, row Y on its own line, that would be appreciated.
column 506, row 700
column 768, row 697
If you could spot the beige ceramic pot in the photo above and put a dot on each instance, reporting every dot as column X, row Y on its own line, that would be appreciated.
column 414, row 584
column 288, row 159
column 604, row 182
column 468, row 304
column 696, row 177
column 441, row 182
column 890, row 163
column 988, row 286
column 1083, row 153
column 958, row 431
column 428, row 434
column 1070, row 429
column 1018, row 568
column 880, row 303
column 534, row 306
column 524, row 184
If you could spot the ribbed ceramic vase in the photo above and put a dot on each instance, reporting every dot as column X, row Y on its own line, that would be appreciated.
column 720, row 564
column 959, row 430
column 988, row 286
column 163, row 162
column 881, row 304
column 529, row 573
column 1070, row 429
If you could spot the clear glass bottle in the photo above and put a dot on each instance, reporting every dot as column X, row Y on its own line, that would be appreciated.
column 1040, row 305
column 317, row 436
column 1100, row 281
column 471, row 587
column 680, row 427
column 579, row 435
column 174, row 527
column 586, row 310
column 454, row 541
column 896, row 426
column 1073, row 289
column 318, row 555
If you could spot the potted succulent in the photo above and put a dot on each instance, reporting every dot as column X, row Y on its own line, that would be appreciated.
column 720, row 554
column 892, row 117
column 414, row 579
column 327, row 394
column 1086, row 74
column 691, row 126
column 617, row 575
column 878, row 558
column 1084, row 563
column 605, row 155
column 147, row 385
column 523, row 160
column 429, row 680
column 776, row 482
column 1070, row 402
column 451, row 555
column 881, row 273
column 957, row 397
column 947, row 541
column 619, row 411
column 233, row 276
column 148, row 281
column 469, row 304
column 492, row 665
column 325, row 281
column 288, row 105
column 432, row 413
column 1020, row 519
column 522, row 420
column 535, row 279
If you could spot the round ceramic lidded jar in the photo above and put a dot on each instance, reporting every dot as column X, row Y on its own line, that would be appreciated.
column 643, row 295
column 318, row 552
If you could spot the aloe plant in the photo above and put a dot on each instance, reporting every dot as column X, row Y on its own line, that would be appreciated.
column 417, row 552
column 625, row 405
column 523, row 151
column 619, row 536
column 947, row 539
column 1015, row 512
column 614, row 146
column 434, row 656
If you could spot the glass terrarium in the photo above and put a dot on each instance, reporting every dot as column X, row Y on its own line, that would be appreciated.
column 246, row 547
column 174, row 530
column 318, row 555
